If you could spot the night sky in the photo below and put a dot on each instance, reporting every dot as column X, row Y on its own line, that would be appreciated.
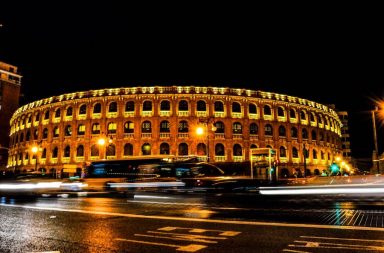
column 320, row 54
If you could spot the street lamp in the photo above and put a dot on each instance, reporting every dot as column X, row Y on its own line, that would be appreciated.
column 35, row 149
column 376, row 154
column 200, row 132
column 102, row 142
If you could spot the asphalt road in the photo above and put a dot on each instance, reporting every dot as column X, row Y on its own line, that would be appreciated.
column 151, row 222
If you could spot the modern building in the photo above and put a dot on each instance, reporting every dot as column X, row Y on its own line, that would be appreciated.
column 345, row 141
column 163, row 120
column 9, row 101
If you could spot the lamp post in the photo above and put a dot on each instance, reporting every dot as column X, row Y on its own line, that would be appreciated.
column 200, row 131
column 102, row 142
column 375, row 156
column 35, row 150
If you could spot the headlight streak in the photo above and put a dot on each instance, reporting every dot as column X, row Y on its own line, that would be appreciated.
column 329, row 190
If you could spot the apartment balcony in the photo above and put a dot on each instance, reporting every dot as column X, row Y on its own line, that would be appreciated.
column 237, row 136
column 56, row 120
column 147, row 113
column 183, row 135
column 129, row 135
column 81, row 117
column 183, row 113
column 129, row 114
column 68, row 118
column 165, row 113
column 220, row 158
column 96, row 115
column 201, row 114
column 65, row 159
column 219, row 114
column 281, row 118
column 237, row 115
column 146, row 135
column 293, row 120
column 238, row 158
column 219, row 136
column 165, row 135
column 254, row 116
column 112, row 115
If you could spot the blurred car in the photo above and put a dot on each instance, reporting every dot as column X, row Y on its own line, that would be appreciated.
column 29, row 184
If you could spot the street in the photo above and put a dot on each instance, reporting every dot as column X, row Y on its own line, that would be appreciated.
column 157, row 222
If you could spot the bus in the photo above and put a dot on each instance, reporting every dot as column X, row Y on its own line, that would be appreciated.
column 138, row 171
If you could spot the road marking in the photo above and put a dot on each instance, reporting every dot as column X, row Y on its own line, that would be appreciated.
column 199, row 230
column 157, row 217
column 188, row 248
column 44, row 252
column 188, row 235
column 295, row 251
column 165, row 203
column 338, row 238
column 309, row 244
column 178, row 238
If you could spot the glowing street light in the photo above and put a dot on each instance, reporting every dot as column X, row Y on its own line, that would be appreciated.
column 199, row 131
column 34, row 150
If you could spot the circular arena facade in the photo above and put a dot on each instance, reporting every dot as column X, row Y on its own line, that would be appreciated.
column 133, row 121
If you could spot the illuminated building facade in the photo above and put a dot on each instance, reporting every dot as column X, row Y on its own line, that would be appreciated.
column 9, row 102
column 164, row 120
column 345, row 141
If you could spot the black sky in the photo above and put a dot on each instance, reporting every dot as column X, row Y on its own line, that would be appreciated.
column 326, row 54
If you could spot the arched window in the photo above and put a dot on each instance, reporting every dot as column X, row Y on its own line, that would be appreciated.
column 268, row 130
column 56, row 132
column 164, row 126
column 201, row 106
column 130, row 106
column 80, row 151
column 304, row 133
column 236, row 107
column 183, row 127
column 67, row 151
column 68, row 130
column 97, row 108
column 57, row 113
column 146, row 149
column 253, row 146
column 253, row 129
column 252, row 109
column 37, row 117
column 111, row 150
column 267, row 110
column 96, row 128
column 201, row 149
column 26, row 158
column 219, row 106
column 112, row 127
column 147, row 106
column 183, row 105
column 55, row 152
column 295, row 153
column 237, row 128
column 46, row 115
column 320, row 119
column 219, row 149
column 146, row 127
column 83, row 109
column 35, row 134
column 303, row 115
column 314, row 136
column 237, row 150
column 129, row 127
column 293, row 132
column 94, row 150
column 322, row 155
column 164, row 149
column 183, row 149
column 128, row 149
column 69, row 111
column 21, row 137
column 312, row 117
column 112, row 107
column 44, row 153
column 321, row 135
column 45, row 133
column 282, row 132
column 314, row 154
column 280, row 111
column 28, row 135
column 81, row 129
column 219, row 127
column 283, row 152
column 165, row 105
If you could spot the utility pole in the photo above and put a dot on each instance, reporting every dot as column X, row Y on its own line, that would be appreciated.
column 376, row 162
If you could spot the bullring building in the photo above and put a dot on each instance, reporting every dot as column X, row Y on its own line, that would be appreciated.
column 68, row 129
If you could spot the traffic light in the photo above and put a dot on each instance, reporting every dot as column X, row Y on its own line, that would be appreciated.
column 334, row 168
